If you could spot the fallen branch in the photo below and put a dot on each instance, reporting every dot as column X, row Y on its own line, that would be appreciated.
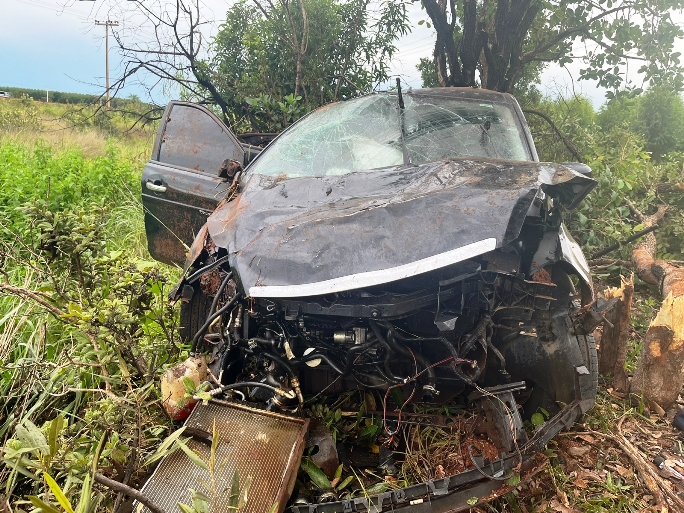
column 608, row 262
column 629, row 239
column 651, row 478
column 35, row 296
column 127, row 490
column 566, row 142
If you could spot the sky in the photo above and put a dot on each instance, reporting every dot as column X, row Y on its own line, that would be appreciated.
column 55, row 45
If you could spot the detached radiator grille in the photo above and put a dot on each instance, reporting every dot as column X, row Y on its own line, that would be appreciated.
column 266, row 446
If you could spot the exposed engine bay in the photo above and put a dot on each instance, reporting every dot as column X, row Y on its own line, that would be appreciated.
column 439, row 330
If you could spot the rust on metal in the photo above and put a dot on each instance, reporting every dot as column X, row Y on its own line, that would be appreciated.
column 264, row 445
column 542, row 276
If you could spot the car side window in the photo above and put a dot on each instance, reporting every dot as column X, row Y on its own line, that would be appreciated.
column 194, row 138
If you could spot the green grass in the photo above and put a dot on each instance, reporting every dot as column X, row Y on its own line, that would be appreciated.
column 72, row 234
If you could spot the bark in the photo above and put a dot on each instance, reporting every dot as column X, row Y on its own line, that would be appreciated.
column 660, row 375
column 614, row 338
column 446, row 50
column 496, row 44
column 127, row 490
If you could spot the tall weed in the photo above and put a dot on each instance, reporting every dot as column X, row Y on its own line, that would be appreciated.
column 84, row 323
column 89, row 329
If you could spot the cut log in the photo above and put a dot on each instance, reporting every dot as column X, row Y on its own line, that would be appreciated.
column 660, row 374
column 659, row 378
column 613, row 354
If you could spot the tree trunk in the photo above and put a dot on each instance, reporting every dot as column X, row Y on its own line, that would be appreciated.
column 660, row 374
column 614, row 338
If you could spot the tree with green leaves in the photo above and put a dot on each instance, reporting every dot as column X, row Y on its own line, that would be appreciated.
column 258, row 55
column 660, row 120
column 492, row 44
column 311, row 51
column 656, row 115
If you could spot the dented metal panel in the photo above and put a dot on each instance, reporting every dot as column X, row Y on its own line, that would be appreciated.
column 193, row 137
column 289, row 232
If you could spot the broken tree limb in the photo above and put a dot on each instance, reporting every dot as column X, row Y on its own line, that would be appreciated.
column 565, row 140
column 629, row 239
column 613, row 354
column 127, row 490
column 660, row 374
column 608, row 262
column 645, row 468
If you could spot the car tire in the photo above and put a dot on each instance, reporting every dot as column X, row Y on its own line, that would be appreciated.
column 558, row 369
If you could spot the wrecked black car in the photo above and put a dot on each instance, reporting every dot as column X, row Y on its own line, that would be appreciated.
column 401, row 241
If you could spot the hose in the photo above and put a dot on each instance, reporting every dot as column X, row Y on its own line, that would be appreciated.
column 389, row 354
column 476, row 333
column 322, row 356
column 243, row 384
column 193, row 277
column 294, row 380
column 452, row 351
column 281, row 363
column 353, row 352
column 219, row 291
column 385, row 377
column 398, row 348
column 212, row 317
column 431, row 376
column 271, row 343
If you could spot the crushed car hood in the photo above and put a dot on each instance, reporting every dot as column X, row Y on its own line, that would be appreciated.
column 316, row 235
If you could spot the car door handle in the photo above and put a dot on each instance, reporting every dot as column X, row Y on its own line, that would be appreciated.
column 154, row 186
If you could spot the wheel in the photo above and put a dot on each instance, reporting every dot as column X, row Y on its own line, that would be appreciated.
column 559, row 369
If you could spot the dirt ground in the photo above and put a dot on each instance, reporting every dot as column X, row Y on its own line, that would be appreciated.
column 601, row 464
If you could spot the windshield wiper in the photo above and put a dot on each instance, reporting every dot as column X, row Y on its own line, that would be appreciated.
column 402, row 127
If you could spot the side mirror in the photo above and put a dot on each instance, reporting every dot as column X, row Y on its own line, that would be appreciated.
column 580, row 168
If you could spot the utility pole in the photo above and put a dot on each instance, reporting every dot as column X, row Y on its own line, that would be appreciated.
column 107, row 24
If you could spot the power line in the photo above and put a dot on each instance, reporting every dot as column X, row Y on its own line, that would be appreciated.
column 54, row 8
column 106, row 25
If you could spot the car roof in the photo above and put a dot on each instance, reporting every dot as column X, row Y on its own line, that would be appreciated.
column 470, row 93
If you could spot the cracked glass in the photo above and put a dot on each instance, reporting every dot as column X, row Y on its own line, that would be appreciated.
column 366, row 133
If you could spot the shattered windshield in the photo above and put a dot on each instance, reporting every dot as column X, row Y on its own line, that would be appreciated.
column 365, row 133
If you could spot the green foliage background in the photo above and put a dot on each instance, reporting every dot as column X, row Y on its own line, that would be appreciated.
column 617, row 142
column 84, row 325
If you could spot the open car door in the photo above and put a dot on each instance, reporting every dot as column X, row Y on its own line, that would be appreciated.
column 181, row 184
